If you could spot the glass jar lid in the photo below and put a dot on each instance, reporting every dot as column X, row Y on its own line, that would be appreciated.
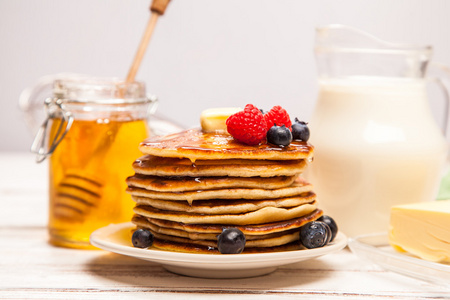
column 99, row 91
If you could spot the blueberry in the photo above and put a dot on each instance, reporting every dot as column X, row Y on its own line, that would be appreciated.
column 331, row 223
column 142, row 238
column 315, row 234
column 231, row 241
column 329, row 234
column 279, row 135
column 300, row 131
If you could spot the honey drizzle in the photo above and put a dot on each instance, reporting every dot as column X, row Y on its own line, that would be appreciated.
column 196, row 140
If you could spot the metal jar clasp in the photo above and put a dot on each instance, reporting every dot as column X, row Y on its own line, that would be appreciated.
column 55, row 111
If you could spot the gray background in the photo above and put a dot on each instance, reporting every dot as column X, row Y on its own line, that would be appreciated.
column 205, row 53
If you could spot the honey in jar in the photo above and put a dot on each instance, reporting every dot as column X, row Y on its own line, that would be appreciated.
column 94, row 129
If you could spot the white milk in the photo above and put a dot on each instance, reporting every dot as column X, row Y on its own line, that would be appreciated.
column 376, row 145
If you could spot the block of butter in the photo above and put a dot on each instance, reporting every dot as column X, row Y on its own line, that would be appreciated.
column 422, row 229
column 214, row 119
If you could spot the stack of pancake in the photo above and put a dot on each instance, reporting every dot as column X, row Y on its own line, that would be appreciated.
column 191, row 185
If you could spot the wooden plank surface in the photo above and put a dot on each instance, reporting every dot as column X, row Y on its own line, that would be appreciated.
column 31, row 268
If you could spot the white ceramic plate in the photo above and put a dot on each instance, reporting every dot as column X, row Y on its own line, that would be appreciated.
column 375, row 248
column 117, row 238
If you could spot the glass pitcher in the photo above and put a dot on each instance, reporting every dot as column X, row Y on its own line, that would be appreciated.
column 376, row 141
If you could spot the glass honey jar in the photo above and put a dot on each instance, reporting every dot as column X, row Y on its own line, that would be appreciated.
column 91, row 137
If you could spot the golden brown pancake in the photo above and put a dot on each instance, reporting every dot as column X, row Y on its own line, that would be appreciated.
column 220, row 207
column 260, row 216
column 261, row 229
column 183, row 184
column 200, row 249
column 195, row 144
column 142, row 222
column 297, row 188
column 268, row 242
column 167, row 166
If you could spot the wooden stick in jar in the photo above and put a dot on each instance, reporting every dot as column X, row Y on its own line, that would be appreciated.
column 157, row 8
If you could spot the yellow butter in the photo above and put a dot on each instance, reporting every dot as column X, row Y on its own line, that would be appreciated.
column 214, row 119
column 422, row 229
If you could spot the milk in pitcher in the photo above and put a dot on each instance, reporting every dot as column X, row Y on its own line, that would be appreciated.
column 376, row 145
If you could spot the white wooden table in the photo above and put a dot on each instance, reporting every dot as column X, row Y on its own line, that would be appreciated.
column 31, row 268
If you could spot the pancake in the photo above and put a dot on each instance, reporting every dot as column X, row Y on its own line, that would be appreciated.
column 268, row 242
column 191, row 247
column 260, row 216
column 167, row 166
column 183, row 184
column 197, row 145
column 219, row 207
column 297, row 188
column 142, row 222
column 261, row 229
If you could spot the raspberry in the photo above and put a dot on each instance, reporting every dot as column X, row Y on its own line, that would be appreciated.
column 247, row 126
column 278, row 116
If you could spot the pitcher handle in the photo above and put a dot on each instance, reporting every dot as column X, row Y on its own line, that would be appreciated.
column 441, row 76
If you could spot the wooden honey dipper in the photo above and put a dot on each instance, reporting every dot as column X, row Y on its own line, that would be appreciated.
column 76, row 195
column 157, row 8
